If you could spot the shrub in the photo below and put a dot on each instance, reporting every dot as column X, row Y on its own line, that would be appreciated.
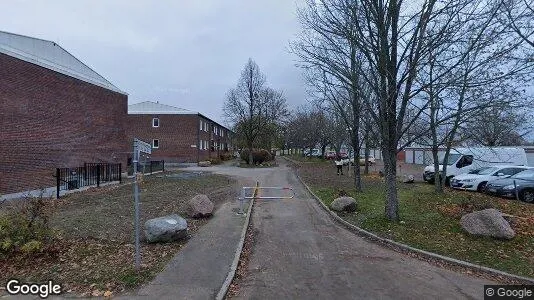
column 215, row 161
column 258, row 156
column 226, row 156
column 25, row 227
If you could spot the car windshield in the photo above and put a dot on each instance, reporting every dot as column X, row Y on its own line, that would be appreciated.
column 477, row 171
column 488, row 171
column 453, row 157
column 527, row 174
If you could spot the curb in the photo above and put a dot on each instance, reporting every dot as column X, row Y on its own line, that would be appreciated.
column 237, row 256
column 403, row 247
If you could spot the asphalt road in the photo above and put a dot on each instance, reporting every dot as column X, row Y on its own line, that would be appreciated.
column 301, row 253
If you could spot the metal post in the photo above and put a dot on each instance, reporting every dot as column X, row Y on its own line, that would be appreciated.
column 136, row 207
column 163, row 165
column 120, row 172
column 241, row 202
column 98, row 175
column 58, row 182
column 515, row 190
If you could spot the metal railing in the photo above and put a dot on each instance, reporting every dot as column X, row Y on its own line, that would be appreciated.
column 90, row 174
column 242, row 197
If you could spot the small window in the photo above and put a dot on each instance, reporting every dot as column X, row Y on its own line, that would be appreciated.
column 200, row 124
column 155, row 144
column 222, row 132
column 205, row 127
column 155, row 122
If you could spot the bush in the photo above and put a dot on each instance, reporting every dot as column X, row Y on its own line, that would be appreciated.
column 226, row 156
column 215, row 161
column 258, row 156
column 25, row 227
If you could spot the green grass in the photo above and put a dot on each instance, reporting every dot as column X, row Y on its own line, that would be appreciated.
column 431, row 221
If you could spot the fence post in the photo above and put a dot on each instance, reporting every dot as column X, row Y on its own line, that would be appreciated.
column 58, row 182
column 150, row 167
column 120, row 173
column 163, row 165
column 98, row 175
column 85, row 171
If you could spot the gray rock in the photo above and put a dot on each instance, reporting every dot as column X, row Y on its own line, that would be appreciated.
column 344, row 204
column 165, row 229
column 199, row 206
column 408, row 179
column 205, row 163
column 487, row 222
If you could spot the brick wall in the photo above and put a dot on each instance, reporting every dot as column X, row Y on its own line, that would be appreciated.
column 176, row 135
column 51, row 120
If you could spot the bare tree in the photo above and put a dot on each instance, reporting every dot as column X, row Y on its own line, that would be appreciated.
column 255, row 110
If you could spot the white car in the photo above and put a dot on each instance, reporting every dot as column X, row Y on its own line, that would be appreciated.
column 371, row 161
column 477, row 182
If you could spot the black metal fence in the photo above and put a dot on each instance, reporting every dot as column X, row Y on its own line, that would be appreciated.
column 148, row 167
column 88, row 175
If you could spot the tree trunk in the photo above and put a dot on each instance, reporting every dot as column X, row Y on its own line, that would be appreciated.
column 389, row 155
column 250, row 161
column 367, row 154
column 438, row 187
column 357, row 174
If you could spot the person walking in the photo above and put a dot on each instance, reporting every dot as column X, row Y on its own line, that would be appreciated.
column 339, row 165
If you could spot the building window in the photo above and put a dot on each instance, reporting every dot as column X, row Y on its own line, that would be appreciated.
column 200, row 124
column 155, row 122
column 155, row 144
column 222, row 132
column 205, row 127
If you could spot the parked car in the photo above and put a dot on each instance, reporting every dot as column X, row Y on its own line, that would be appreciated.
column 312, row 152
column 477, row 182
column 520, row 184
column 330, row 154
column 463, row 160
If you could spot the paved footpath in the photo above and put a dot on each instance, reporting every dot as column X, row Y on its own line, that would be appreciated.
column 301, row 253
column 199, row 269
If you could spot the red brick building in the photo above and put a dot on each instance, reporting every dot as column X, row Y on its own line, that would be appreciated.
column 177, row 135
column 54, row 112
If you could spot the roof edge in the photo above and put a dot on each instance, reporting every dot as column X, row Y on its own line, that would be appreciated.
column 55, row 68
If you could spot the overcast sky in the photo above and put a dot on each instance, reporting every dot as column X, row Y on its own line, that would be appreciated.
column 185, row 53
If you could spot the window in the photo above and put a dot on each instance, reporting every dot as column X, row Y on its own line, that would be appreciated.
column 155, row 122
column 155, row 144
column 205, row 127
column 222, row 133
column 200, row 124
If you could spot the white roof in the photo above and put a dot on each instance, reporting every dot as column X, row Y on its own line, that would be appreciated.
column 149, row 107
column 50, row 55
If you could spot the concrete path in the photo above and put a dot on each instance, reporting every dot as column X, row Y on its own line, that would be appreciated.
column 200, row 268
column 301, row 253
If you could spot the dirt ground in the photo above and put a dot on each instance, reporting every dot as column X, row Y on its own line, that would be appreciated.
column 95, row 251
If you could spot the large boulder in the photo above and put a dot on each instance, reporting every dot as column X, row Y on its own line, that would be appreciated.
column 344, row 204
column 487, row 222
column 165, row 229
column 199, row 206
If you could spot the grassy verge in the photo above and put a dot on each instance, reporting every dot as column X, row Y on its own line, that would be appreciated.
column 95, row 249
column 306, row 159
column 431, row 221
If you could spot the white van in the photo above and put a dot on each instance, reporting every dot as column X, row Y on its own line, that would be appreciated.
column 463, row 160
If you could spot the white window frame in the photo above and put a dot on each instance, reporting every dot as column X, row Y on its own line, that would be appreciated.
column 200, row 124
column 154, row 120
column 206, row 126
column 154, row 143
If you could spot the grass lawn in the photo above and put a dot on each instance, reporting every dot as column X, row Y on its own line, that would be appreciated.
column 95, row 249
column 430, row 221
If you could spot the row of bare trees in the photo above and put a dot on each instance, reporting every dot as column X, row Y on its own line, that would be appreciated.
column 423, row 71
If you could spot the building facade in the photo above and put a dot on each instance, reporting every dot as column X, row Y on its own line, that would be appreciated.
column 55, row 112
column 177, row 135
